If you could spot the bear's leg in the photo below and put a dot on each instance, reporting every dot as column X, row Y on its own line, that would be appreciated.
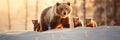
column 38, row 27
column 55, row 22
column 53, row 25
column 59, row 26
column 35, row 28
column 65, row 23
column 77, row 25
column 44, row 27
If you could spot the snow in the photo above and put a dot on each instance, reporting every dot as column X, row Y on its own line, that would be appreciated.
column 79, row 33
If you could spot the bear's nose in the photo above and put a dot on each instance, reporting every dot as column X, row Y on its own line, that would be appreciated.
column 64, row 13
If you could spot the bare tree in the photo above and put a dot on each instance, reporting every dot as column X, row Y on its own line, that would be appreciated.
column 9, row 18
column 36, row 15
column 84, row 12
column 26, row 16
column 75, row 12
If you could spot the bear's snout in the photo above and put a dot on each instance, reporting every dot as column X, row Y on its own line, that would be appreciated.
column 64, row 13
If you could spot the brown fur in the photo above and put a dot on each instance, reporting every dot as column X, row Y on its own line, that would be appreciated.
column 53, row 17
column 59, row 26
column 91, row 23
column 77, row 22
column 36, row 25
column 42, row 19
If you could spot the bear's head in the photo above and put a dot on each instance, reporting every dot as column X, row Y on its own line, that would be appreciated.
column 63, row 9
column 91, row 23
column 88, row 21
column 77, row 22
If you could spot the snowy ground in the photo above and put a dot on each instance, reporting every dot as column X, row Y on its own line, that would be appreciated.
column 80, row 33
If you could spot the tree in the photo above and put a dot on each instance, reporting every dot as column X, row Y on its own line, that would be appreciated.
column 26, row 16
column 9, row 18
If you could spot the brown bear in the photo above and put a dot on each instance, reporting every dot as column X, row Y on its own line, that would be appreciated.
column 91, row 23
column 55, row 15
column 77, row 22
column 36, row 25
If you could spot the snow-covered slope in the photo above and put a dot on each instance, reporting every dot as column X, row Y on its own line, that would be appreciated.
column 80, row 33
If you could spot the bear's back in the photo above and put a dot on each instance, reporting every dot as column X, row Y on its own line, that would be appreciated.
column 45, row 11
column 43, row 15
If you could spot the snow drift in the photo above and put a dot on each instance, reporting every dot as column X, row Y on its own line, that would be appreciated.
column 80, row 33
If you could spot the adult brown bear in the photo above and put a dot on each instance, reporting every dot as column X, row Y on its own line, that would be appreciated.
column 55, row 15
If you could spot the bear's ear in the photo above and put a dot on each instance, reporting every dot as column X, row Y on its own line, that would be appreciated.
column 68, row 3
column 57, row 3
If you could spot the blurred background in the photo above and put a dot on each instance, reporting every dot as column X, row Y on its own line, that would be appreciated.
column 18, row 14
